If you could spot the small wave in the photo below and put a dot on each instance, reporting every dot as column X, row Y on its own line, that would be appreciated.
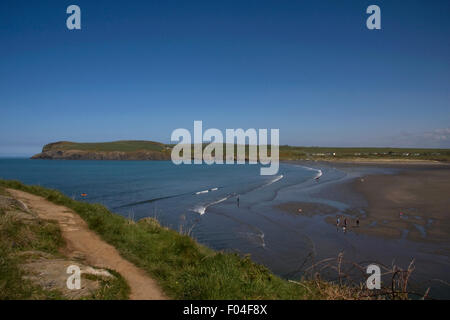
column 278, row 178
column 319, row 172
column 208, row 190
column 201, row 209
column 263, row 243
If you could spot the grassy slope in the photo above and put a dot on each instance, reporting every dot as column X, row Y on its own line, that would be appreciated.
column 184, row 268
column 286, row 152
column 16, row 237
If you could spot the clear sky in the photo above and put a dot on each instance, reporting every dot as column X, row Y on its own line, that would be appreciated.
column 140, row 69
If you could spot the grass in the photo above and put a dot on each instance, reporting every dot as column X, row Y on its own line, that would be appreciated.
column 183, row 268
column 125, row 146
column 116, row 289
column 286, row 152
column 322, row 153
column 17, row 237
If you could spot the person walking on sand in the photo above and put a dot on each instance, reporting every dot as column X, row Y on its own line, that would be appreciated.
column 237, row 201
column 357, row 222
column 338, row 221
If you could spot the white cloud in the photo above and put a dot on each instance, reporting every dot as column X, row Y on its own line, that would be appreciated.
column 438, row 138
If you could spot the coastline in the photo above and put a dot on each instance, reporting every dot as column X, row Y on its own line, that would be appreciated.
column 402, row 211
column 412, row 202
column 365, row 162
column 390, row 162
column 284, row 242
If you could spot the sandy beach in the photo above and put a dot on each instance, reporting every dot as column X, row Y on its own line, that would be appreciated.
column 413, row 203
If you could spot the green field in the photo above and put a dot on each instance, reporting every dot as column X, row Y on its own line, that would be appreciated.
column 322, row 153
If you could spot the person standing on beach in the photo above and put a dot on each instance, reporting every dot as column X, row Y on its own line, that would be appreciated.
column 338, row 221
column 345, row 222
column 357, row 222
column 237, row 201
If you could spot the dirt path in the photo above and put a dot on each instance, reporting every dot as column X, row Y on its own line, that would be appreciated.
column 80, row 239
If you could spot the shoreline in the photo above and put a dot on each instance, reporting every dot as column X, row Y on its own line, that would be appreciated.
column 371, row 162
column 409, row 203
column 403, row 214
column 412, row 204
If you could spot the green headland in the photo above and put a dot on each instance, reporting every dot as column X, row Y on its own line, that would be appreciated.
column 150, row 150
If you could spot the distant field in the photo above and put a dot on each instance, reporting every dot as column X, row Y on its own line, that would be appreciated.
column 286, row 152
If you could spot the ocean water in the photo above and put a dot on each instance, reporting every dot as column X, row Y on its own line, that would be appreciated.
column 138, row 189
column 203, row 201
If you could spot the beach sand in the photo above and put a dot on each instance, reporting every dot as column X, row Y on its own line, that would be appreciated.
column 307, row 209
column 412, row 204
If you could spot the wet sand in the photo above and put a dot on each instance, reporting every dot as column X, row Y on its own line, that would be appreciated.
column 403, row 212
column 307, row 209
column 412, row 204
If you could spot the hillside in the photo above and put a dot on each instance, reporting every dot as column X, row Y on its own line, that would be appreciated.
column 149, row 150
column 117, row 150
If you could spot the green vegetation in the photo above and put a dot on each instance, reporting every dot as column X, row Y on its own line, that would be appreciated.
column 20, row 240
column 332, row 154
column 162, row 151
column 319, row 153
column 184, row 268
column 116, row 289
column 124, row 146
column 17, row 237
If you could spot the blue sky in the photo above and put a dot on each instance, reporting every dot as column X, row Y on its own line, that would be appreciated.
column 140, row 69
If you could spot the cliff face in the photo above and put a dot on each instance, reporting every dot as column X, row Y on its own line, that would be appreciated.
column 64, row 151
